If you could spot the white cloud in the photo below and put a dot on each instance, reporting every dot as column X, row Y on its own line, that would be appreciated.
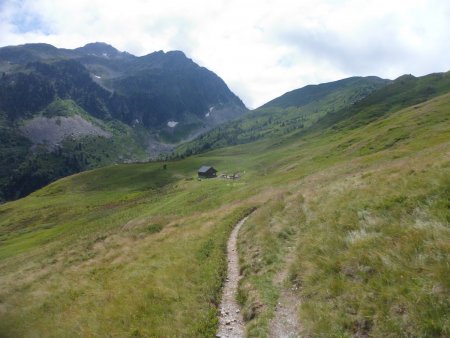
column 260, row 48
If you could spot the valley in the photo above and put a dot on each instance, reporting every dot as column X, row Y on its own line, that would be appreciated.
column 349, row 213
column 63, row 111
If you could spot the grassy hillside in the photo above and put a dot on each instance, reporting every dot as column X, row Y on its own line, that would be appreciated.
column 296, row 110
column 405, row 91
column 351, row 89
column 362, row 229
column 358, row 217
column 354, row 101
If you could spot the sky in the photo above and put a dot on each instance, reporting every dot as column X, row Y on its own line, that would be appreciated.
column 261, row 48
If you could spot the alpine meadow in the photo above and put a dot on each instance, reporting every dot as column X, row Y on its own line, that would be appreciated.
column 353, row 210
column 225, row 169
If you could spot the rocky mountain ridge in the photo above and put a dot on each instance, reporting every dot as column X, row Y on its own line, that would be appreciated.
column 68, row 110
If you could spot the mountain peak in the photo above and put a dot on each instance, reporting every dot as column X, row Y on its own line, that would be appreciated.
column 176, row 53
column 39, row 46
column 98, row 49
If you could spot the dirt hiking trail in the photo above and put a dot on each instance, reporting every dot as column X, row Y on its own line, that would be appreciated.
column 231, row 323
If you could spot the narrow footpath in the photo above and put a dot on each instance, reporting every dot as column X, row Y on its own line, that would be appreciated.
column 231, row 323
column 285, row 324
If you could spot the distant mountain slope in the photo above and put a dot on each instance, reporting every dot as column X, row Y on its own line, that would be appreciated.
column 152, row 89
column 296, row 110
column 143, row 101
column 337, row 109
column 404, row 91
column 357, row 87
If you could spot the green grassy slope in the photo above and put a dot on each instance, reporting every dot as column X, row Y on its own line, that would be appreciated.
column 363, row 230
column 405, row 91
column 358, row 216
column 295, row 110
column 351, row 89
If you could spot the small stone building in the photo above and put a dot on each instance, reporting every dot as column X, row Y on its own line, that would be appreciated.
column 207, row 172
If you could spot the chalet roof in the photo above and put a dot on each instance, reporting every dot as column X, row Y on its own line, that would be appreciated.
column 205, row 169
